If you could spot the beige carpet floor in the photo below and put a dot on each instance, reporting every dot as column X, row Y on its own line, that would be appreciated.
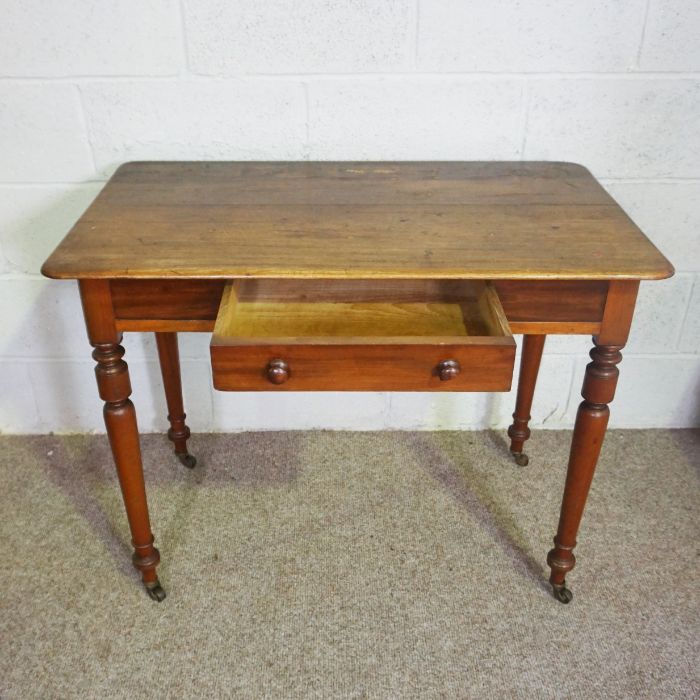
column 350, row 565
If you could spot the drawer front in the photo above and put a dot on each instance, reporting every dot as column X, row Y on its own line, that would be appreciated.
column 364, row 367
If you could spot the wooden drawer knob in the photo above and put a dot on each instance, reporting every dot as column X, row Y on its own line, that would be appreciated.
column 278, row 371
column 448, row 369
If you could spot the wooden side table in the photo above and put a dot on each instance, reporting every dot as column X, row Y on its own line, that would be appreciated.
column 357, row 276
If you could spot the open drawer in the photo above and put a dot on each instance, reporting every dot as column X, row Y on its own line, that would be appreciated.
column 361, row 335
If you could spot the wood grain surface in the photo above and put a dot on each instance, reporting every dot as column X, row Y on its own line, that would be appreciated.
column 365, row 220
column 369, row 346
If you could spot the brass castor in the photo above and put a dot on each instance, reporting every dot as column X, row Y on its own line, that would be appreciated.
column 521, row 459
column 155, row 591
column 187, row 459
column 562, row 593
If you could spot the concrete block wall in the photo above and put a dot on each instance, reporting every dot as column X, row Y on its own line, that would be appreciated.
column 612, row 84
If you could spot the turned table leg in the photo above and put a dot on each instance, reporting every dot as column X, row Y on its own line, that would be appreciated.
column 591, row 422
column 519, row 432
column 169, row 357
column 120, row 419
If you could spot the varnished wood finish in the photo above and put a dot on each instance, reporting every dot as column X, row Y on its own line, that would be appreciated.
column 363, row 367
column 355, row 221
column 277, row 371
column 556, row 327
column 167, row 299
column 120, row 420
column 591, row 422
column 250, row 309
column 157, row 247
column 169, row 357
column 356, row 291
column 592, row 417
column 552, row 301
column 368, row 346
column 519, row 431
column 532, row 306
column 169, row 326
column 448, row 369
column 98, row 311
column 618, row 312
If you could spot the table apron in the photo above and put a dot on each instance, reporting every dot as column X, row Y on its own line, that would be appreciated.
column 532, row 306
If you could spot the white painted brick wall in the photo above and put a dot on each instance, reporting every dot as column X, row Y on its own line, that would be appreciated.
column 619, row 127
column 415, row 117
column 226, row 120
column 85, row 86
column 668, row 212
column 548, row 35
column 42, row 133
column 671, row 36
column 288, row 36
column 36, row 217
column 74, row 37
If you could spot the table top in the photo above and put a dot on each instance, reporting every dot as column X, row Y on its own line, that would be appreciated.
column 361, row 220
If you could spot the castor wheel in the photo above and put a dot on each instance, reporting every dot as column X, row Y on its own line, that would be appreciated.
column 187, row 459
column 562, row 594
column 521, row 459
column 155, row 591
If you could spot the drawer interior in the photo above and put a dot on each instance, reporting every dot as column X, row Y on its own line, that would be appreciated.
column 359, row 312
